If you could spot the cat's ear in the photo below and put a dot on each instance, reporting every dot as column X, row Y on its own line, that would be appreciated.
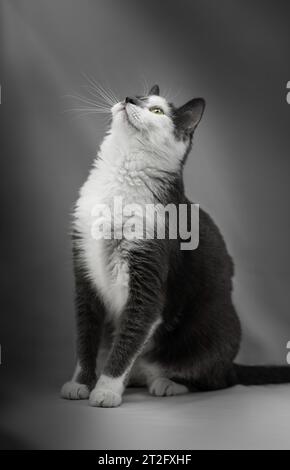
column 154, row 90
column 189, row 115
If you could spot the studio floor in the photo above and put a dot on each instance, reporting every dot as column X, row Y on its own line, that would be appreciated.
column 237, row 418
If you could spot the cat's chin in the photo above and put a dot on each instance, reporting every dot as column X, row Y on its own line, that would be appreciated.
column 122, row 120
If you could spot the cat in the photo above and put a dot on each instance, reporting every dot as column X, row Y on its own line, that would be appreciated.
column 148, row 313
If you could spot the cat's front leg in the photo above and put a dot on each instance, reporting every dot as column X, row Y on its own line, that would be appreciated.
column 89, row 318
column 134, row 333
column 137, row 324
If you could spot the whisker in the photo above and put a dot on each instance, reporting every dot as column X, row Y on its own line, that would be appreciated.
column 87, row 114
column 92, row 89
column 144, row 85
column 91, row 110
column 87, row 101
column 109, row 91
column 101, row 90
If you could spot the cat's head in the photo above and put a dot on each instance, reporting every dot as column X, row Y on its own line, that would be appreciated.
column 154, row 120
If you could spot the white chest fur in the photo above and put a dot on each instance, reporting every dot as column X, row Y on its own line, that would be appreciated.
column 120, row 171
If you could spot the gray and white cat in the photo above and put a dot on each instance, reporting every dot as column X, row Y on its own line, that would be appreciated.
column 148, row 313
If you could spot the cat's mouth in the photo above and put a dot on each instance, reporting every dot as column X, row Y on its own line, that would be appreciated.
column 129, row 119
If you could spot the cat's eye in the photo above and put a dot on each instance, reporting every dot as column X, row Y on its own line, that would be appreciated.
column 156, row 110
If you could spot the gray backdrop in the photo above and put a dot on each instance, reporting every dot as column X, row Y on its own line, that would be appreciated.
column 233, row 53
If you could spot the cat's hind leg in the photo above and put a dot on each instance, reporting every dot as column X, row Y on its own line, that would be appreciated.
column 158, row 380
column 164, row 387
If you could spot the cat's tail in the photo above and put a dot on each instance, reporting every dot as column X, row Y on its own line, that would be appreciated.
column 261, row 375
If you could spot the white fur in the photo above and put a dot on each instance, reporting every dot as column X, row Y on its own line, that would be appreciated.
column 164, row 387
column 108, row 391
column 73, row 390
column 155, row 378
column 140, row 144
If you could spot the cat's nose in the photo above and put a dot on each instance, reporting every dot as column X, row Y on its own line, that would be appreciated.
column 130, row 100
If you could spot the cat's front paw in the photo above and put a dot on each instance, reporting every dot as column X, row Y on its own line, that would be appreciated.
column 163, row 387
column 75, row 391
column 105, row 398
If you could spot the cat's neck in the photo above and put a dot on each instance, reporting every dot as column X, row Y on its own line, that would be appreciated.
column 135, row 153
